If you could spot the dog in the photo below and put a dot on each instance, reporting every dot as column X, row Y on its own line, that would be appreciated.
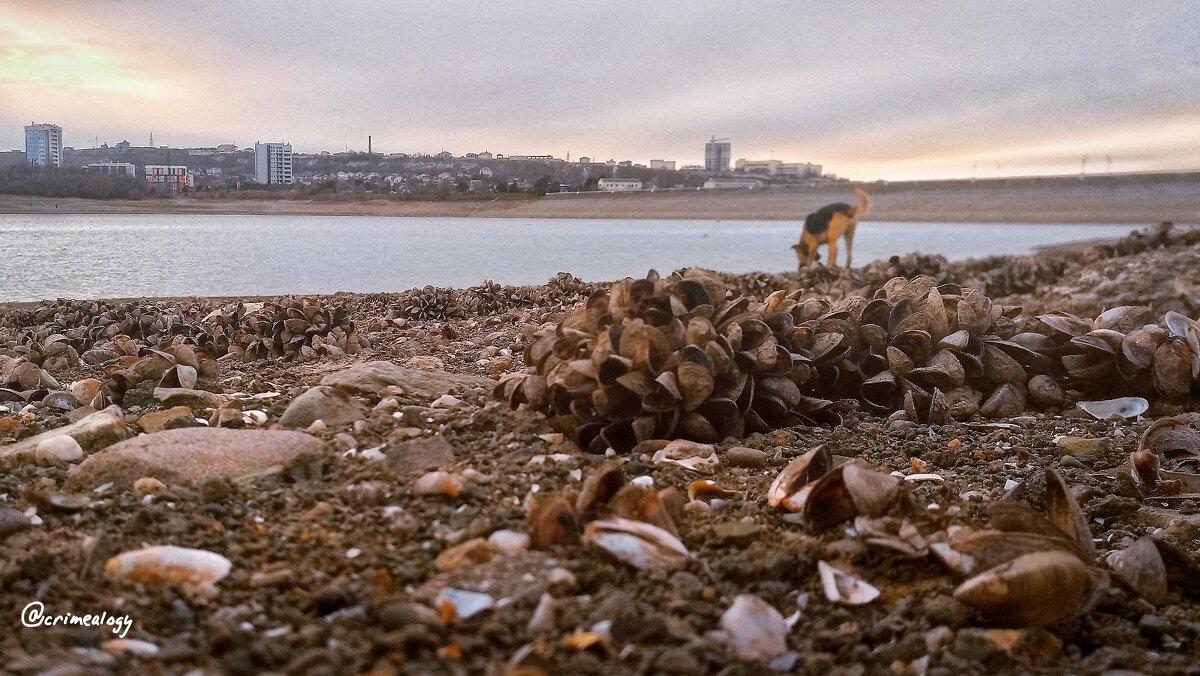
column 825, row 226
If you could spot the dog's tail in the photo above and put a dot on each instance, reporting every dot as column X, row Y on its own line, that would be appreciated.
column 864, row 203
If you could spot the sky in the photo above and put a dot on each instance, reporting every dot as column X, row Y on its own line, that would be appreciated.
column 869, row 90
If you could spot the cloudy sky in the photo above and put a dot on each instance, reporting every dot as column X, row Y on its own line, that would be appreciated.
column 868, row 89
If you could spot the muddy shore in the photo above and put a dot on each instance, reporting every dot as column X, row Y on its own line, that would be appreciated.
column 1100, row 199
column 340, row 565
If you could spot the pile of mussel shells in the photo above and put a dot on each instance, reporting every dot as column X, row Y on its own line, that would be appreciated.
column 490, row 298
column 287, row 328
column 662, row 358
column 429, row 303
column 63, row 333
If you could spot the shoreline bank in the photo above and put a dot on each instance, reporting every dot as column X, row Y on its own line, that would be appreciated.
column 1099, row 200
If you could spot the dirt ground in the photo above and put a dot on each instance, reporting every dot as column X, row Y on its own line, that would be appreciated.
column 335, row 557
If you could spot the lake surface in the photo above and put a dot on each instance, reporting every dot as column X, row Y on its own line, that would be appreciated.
column 105, row 256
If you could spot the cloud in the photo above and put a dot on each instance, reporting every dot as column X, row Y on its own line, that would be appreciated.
column 868, row 89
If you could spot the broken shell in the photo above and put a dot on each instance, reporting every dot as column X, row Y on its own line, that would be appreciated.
column 1145, row 466
column 706, row 489
column 1173, row 368
column 642, row 503
column 461, row 604
column 689, row 455
column 1170, row 438
column 598, row 488
column 439, row 483
column 805, row 469
column 753, row 629
column 1125, row 407
column 842, row 587
column 169, row 564
column 1033, row 590
column 637, row 544
column 1141, row 567
column 553, row 521
column 872, row 492
column 1063, row 511
column 969, row 552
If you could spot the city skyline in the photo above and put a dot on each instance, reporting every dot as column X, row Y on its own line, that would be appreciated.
column 937, row 91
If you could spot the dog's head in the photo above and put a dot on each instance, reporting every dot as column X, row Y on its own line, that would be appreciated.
column 801, row 250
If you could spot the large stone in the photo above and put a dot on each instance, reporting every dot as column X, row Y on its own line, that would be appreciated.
column 371, row 377
column 334, row 407
column 193, row 456
column 420, row 454
column 93, row 433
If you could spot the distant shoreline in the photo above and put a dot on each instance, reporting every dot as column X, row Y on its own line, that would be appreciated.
column 1116, row 200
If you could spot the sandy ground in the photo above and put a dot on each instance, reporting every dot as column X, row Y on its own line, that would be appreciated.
column 1096, row 200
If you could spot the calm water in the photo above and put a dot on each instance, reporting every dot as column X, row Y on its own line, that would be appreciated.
column 104, row 256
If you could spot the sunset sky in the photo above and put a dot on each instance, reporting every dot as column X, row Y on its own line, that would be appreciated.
column 868, row 89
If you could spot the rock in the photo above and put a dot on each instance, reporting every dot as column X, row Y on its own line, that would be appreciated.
column 400, row 614
column 59, row 450
column 180, row 396
column 1035, row 645
column 446, row 401
column 93, row 432
column 148, row 485
column 172, row 418
column 12, row 521
column 741, row 456
column 420, row 454
column 325, row 403
column 509, row 542
column 734, row 533
column 425, row 379
column 426, row 363
column 193, row 456
column 466, row 554
column 1081, row 447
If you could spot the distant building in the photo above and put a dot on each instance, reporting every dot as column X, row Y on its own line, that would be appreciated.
column 273, row 163
column 778, row 168
column 662, row 164
column 445, row 155
column 485, row 171
column 716, row 155
column 625, row 163
column 564, row 187
column 123, row 145
column 172, row 177
column 485, row 155
column 732, row 183
column 542, row 158
column 114, row 168
column 476, row 185
column 585, row 160
column 202, row 151
column 227, row 148
column 43, row 145
column 619, row 184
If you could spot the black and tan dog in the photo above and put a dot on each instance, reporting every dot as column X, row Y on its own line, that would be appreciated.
column 826, row 225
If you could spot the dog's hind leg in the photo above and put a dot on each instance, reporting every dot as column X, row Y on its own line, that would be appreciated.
column 849, row 237
column 832, row 252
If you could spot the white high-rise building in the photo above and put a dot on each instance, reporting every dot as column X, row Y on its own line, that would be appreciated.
column 716, row 155
column 43, row 145
column 273, row 163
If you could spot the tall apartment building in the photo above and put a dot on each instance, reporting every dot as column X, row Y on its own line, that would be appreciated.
column 43, row 145
column 662, row 164
column 273, row 163
column 716, row 155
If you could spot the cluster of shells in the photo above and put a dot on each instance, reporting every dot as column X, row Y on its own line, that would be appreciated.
column 661, row 358
column 288, row 328
column 488, row 299
column 1029, row 567
column 61, row 334
column 631, row 522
